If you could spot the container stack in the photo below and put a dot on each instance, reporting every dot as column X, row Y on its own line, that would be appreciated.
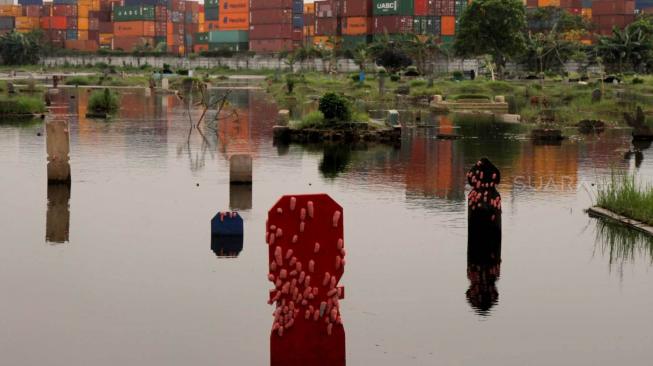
column 271, row 26
column 133, row 27
column 572, row 6
column 356, row 22
column 175, row 32
column 30, row 18
column 607, row 14
column 393, row 17
column 233, row 40
column 160, row 22
column 191, row 24
column 211, row 15
column 105, row 23
column 309, row 22
column 425, row 22
column 327, row 15
column 201, row 42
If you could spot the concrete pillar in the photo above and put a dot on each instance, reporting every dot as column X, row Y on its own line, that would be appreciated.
column 283, row 117
column 164, row 83
column 240, row 169
column 57, row 218
column 58, row 149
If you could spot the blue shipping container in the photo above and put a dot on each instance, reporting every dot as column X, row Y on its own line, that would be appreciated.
column 30, row 2
column 71, row 34
column 297, row 21
column 64, row 2
column 298, row 6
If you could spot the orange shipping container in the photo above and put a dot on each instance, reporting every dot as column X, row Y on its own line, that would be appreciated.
column 82, row 35
column 82, row 23
column 354, row 26
column 448, row 26
column 237, row 21
column 233, row 6
column 200, row 47
column 586, row 13
column 53, row 23
column 27, row 22
column 309, row 8
column 81, row 45
column 82, row 11
column 11, row 10
column 545, row 3
column 134, row 28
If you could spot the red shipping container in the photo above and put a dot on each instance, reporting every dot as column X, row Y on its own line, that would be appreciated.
column 421, row 7
column 198, row 48
column 571, row 4
column 129, row 43
column 71, row 22
column 46, row 10
column 93, row 24
column 32, row 11
column 297, row 35
column 607, row 22
column 325, row 9
column 326, row 26
column 271, row 16
column 531, row 3
column 612, row 7
column 271, row 45
column 270, row 31
column 358, row 8
column 106, row 27
column 356, row 26
column 177, row 5
column 444, row 7
column 58, row 23
column 90, row 46
column 270, row 4
column 393, row 24
column 160, row 29
column 94, row 35
column 64, row 10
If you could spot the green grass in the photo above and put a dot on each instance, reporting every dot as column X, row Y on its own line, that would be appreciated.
column 21, row 105
column 81, row 80
column 103, row 101
column 624, row 195
column 311, row 120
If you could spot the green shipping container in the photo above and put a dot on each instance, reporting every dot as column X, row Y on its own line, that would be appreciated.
column 447, row 39
column 351, row 42
column 394, row 7
column 211, row 3
column 201, row 38
column 243, row 46
column 228, row 36
column 211, row 13
column 133, row 12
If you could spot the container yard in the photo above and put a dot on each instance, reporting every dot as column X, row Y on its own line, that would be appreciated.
column 262, row 26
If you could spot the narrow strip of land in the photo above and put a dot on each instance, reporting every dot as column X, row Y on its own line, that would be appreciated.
column 607, row 214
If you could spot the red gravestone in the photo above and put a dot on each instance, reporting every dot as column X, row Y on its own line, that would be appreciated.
column 306, row 261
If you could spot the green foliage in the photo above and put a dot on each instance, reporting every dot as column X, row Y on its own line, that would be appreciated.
column 311, row 120
column 335, row 107
column 395, row 77
column 471, row 96
column 625, row 196
column 630, row 48
column 500, row 87
column 492, row 27
column 290, row 84
column 103, row 101
column 637, row 80
column 417, row 83
column 79, row 80
column 20, row 49
column 21, row 105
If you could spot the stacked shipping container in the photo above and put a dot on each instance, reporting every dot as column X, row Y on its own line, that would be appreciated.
column 275, row 25
column 607, row 14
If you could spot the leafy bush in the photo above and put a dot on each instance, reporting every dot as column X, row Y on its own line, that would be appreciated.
column 411, row 71
column 313, row 119
column 103, row 101
column 500, row 87
column 290, row 83
column 183, row 72
column 395, row 77
column 458, row 75
column 360, row 117
column 355, row 77
column 417, row 83
column 471, row 96
column 637, row 80
column 335, row 107
column 21, row 105
column 79, row 80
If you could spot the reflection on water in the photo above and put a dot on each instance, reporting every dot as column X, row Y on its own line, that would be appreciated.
column 335, row 160
column 227, row 234
column 622, row 244
column 240, row 197
column 308, row 344
column 483, row 267
column 57, row 222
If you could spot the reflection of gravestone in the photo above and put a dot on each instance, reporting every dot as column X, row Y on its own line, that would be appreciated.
column 597, row 95
column 641, row 131
column 227, row 234
column 484, row 201
column 240, row 197
column 57, row 220
column 307, row 259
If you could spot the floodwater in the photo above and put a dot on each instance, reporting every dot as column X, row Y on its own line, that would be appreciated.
column 119, row 270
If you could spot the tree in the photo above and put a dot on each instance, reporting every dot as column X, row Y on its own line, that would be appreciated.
column 389, row 54
column 631, row 47
column 19, row 49
column 493, row 27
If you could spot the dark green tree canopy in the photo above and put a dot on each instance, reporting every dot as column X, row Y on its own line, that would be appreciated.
column 492, row 27
column 19, row 49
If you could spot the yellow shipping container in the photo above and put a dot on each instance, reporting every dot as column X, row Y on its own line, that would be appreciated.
column 324, row 41
column 201, row 18
column 309, row 8
column 82, row 23
column 23, row 23
column 106, row 38
column 545, row 3
column 82, row 35
column 11, row 10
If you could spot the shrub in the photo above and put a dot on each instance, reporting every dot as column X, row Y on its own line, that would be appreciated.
column 458, row 75
column 417, row 83
column 290, row 83
column 637, row 80
column 395, row 77
column 313, row 119
column 21, row 105
column 335, row 107
column 355, row 77
column 471, row 96
column 103, row 101
column 78, row 80
column 411, row 71
column 183, row 72
column 500, row 87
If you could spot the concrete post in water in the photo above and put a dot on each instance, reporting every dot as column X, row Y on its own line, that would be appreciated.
column 306, row 253
column 57, row 218
column 227, row 231
column 240, row 169
column 283, row 117
column 240, row 197
column 484, row 236
column 58, row 149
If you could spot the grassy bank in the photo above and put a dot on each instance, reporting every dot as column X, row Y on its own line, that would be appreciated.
column 21, row 105
column 624, row 195
column 562, row 103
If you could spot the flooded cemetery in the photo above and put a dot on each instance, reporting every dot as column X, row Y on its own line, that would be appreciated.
column 460, row 240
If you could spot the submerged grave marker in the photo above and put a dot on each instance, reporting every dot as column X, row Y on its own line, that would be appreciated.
column 240, row 169
column 58, row 149
column 307, row 259
column 227, row 232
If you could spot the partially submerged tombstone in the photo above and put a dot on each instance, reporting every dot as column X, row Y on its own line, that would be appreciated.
column 641, row 131
column 227, row 233
column 58, row 150
column 484, row 236
column 240, row 169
